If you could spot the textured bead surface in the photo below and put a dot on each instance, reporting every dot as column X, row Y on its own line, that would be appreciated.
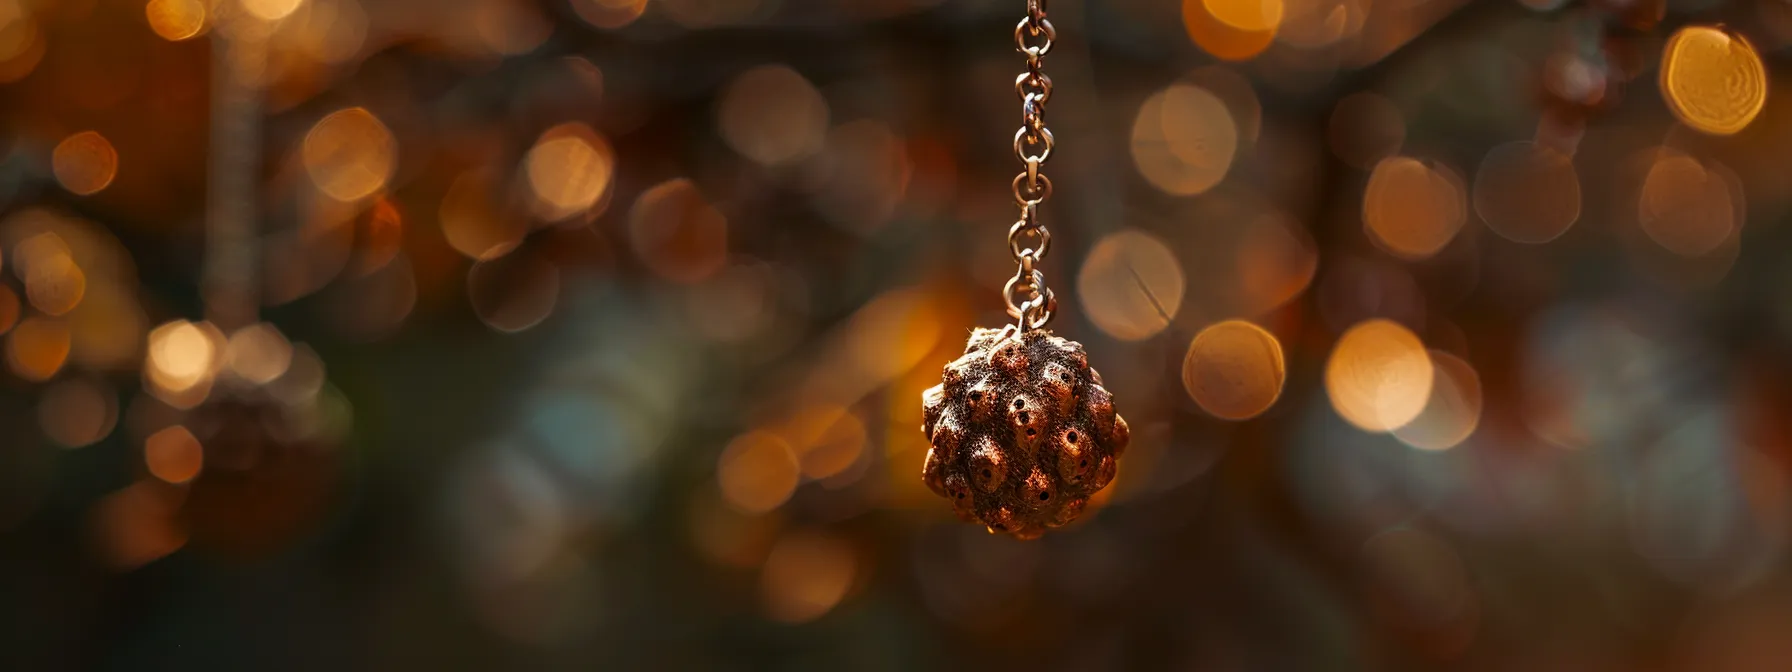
column 1022, row 432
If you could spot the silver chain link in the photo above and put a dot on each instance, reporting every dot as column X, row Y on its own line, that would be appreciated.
column 1029, row 300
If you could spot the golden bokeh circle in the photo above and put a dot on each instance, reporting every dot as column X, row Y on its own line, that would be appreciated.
column 1684, row 207
column 568, row 169
column 1413, row 209
column 173, row 454
column 1131, row 285
column 1379, row 375
column 84, row 163
column 1453, row 412
column 1234, row 370
column 175, row 20
column 757, row 472
column 37, row 348
column 350, row 154
column 806, row 574
column 1712, row 80
column 1184, row 140
column 772, row 115
column 677, row 233
column 77, row 412
column 1224, row 40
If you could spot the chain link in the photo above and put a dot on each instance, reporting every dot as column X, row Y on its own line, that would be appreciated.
column 1029, row 300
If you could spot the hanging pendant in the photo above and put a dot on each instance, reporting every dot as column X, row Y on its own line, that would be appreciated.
column 1023, row 433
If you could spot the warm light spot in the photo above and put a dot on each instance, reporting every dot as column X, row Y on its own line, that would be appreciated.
column 175, row 20
column 37, row 348
column 1277, row 259
column 805, row 575
column 349, row 154
column 609, row 13
column 1413, row 209
column 677, row 233
column 1684, row 207
column 272, row 10
column 22, row 41
column 472, row 221
column 258, row 353
column 53, row 283
column 1527, row 193
column 1131, row 285
column 511, row 27
column 1224, row 40
column 303, row 380
column 1379, row 376
column 84, row 163
column 513, row 292
column 1234, row 370
column 1183, row 140
column 1246, row 15
column 568, row 169
column 138, row 524
column 891, row 334
column 827, row 439
column 1712, row 79
column 1454, row 410
column 77, row 412
column 1365, row 128
column 757, row 472
column 772, row 115
column 173, row 454
column 9, row 309
column 182, row 356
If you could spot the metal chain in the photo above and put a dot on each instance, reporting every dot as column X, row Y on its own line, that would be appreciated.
column 1029, row 300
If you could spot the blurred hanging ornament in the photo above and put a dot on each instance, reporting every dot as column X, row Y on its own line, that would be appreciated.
column 1022, row 431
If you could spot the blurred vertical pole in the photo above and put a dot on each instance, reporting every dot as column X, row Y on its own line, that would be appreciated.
column 230, row 284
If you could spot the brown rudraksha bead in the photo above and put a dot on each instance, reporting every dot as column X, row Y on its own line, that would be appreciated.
column 1022, row 432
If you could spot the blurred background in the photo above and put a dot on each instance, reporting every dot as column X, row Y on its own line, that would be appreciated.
column 573, row 334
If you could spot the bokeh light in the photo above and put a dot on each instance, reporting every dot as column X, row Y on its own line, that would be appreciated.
column 1234, row 370
column 77, row 412
column 1527, row 192
column 85, row 163
column 805, row 575
column 514, row 292
column 9, row 309
column 271, row 10
column 609, row 13
column 1219, row 32
column 757, row 472
column 1276, row 261
column 1413, row 209
column 54, row 284
column 1453, row 412
column 568, row 169
column 1131, row 285
column 772, row 115
column 37, row 347
column 183, row 358
column 258, row 353
column 1712, row 79
column 472, row 219
column 173, row 454
column 1184, row 140
column 677, row 233
column 350, row 154
column 1379, row 376
column 1685, row 208
column 175, row 20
